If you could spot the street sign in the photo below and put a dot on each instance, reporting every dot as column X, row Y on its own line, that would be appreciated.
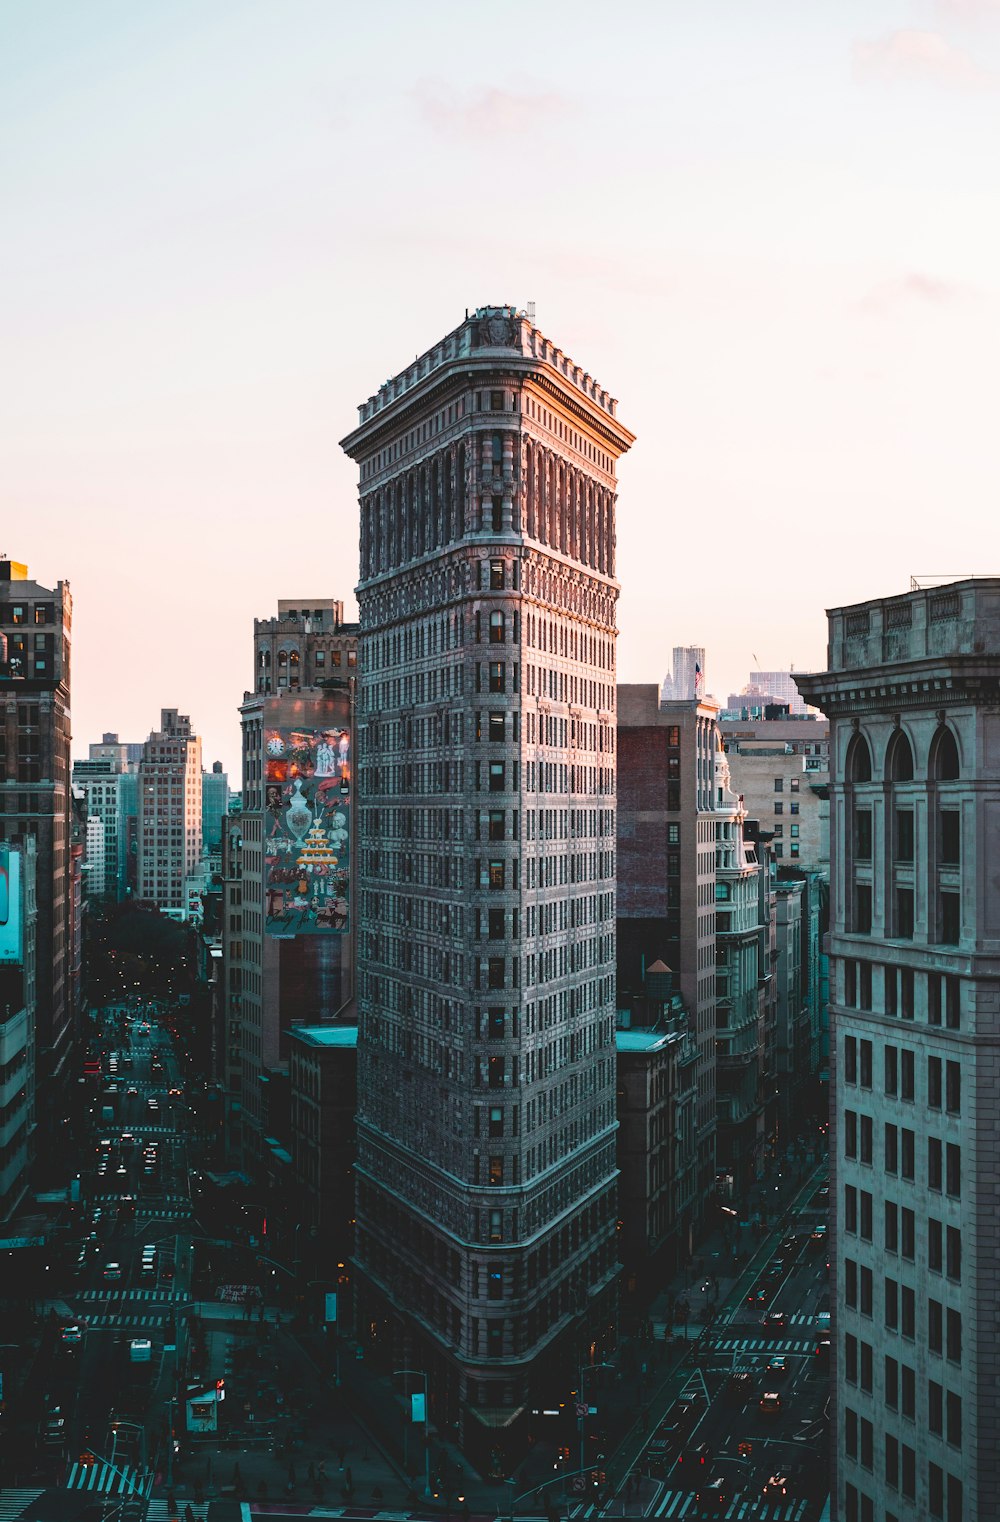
column 331, row 1307
column 418, row 1407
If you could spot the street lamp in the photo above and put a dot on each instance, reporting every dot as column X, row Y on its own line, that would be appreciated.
column 420, row 1374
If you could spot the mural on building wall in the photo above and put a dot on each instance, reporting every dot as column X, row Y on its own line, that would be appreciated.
column 306, row 834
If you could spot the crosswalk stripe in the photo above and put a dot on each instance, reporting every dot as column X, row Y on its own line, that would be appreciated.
column 13, row 1502
column 158, row 1511
column 108, row 1478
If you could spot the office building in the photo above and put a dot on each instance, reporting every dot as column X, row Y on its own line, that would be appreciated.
column 35, row 642
column 214, row 806
column 169, row 824
column 911, row 693
column 486, row 1090
column 686, row 678
column 99, row 787
column 288, row 922
column 781, row 768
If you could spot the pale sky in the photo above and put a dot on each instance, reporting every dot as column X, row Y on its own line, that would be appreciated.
column 770, row 229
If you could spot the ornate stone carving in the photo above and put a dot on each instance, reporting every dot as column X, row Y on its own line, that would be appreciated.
column 496, row 332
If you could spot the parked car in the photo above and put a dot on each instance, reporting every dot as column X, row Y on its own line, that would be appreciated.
column 770, row 1403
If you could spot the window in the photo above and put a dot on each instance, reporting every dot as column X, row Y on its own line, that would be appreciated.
column 498, row 680
column 953, row 1171
column 779, row 807
column 497, row 725
column 891, row 1226
column 891, row 1304
column 850, row 1133
column 850, row 1209
column 909, row 1471
column 934, row 1082
column 891, row 1383
column 935, row 1245
column 867, row 1435
column 496, row 575
column 496, row 1225
column 935, row 1325
column 908, row 1139
column 891, row 1462
column 954, row 1344
column 863, row 908
column 904, row 834
column 498, row 628
column 906, row 1067
column 496, row 1026
column 891, row 1148
column 950, row 919
column 908, row 1310
column 496, row 1170
column 850, row 1059
column 779, row 784
column 904, row 914
column 496, row 924
column 496, row 874
column 497, row 1072
column 953, row 1429
column 494, row 1284
column 794, row 784
column 866, row 1366
column 954, row 1260
column 935, row 1159
column 866, row 1215
column 866, row 1139
column 890, row 1068
column 496, row 776
column 953, row 1088
column 935, row 1407
column 908, row 1387
column 866, row 1064
column 866, row 1295
column 793, row 806
column 935, row 1489
column 862, row 834
column 851, row 1432
column 495, row 972
column 907, row 1222
column 950, row 838
column 850, row 1282
column 497, row 824
column 851, row 1359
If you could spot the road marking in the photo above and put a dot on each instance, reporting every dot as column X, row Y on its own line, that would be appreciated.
column 13, row 1502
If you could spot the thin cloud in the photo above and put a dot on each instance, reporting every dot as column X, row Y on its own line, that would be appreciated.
column 911, row 289
column 920, row 57
column 486, row 112
column 968, row 10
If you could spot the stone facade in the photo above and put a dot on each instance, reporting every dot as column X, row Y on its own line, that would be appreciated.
column 486, row 1125
column 913, row 698
column 781, row 767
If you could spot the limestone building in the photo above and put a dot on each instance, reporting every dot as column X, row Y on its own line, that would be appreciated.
column 486, row 1086
column 781, row 767
column 913, row 698
column 169, row 826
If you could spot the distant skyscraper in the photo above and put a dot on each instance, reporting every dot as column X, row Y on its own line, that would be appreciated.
column 911, row 695
column 686, row 679
column 35, row 635
column 214, row 805
column 778, row 687
column 486, row 1063
column 169, row 811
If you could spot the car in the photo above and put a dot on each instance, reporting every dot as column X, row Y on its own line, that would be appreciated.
column 776, row 1365
column 822, row 1196
column 758, row 1296
column 121, row 1171
column 52, row 1433
column 71, row 1335
column 790, row 1246
column 770, row 1403
column 102, row 1168
column 696, row 1455
column 127, row 1139
column 774, row 1321
column 739, row 1384
column 175, row 1092
column 131, row 1091
column 817, row 1237
column 152, row 1106
column 775, row 1269
column 112, row 1273
column 777, row 1485
column 822, row 1348
column 714, row 1497
column 126, row 1206
column 104, row 1145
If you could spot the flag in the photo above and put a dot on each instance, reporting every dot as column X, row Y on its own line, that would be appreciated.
column 699, row 681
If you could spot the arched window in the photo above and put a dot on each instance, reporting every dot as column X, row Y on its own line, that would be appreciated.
column 899, row 758
column 944, row 756
column 859, row 760
column 497, row 629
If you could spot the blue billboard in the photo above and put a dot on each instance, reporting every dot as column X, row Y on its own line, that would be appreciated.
column 11, row 948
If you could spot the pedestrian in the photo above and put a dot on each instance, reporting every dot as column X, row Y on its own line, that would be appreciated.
column 188, row 1513
column 171, row 1502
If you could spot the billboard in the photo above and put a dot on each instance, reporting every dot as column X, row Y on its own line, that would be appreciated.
column 306, row 831
column 10, row 905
